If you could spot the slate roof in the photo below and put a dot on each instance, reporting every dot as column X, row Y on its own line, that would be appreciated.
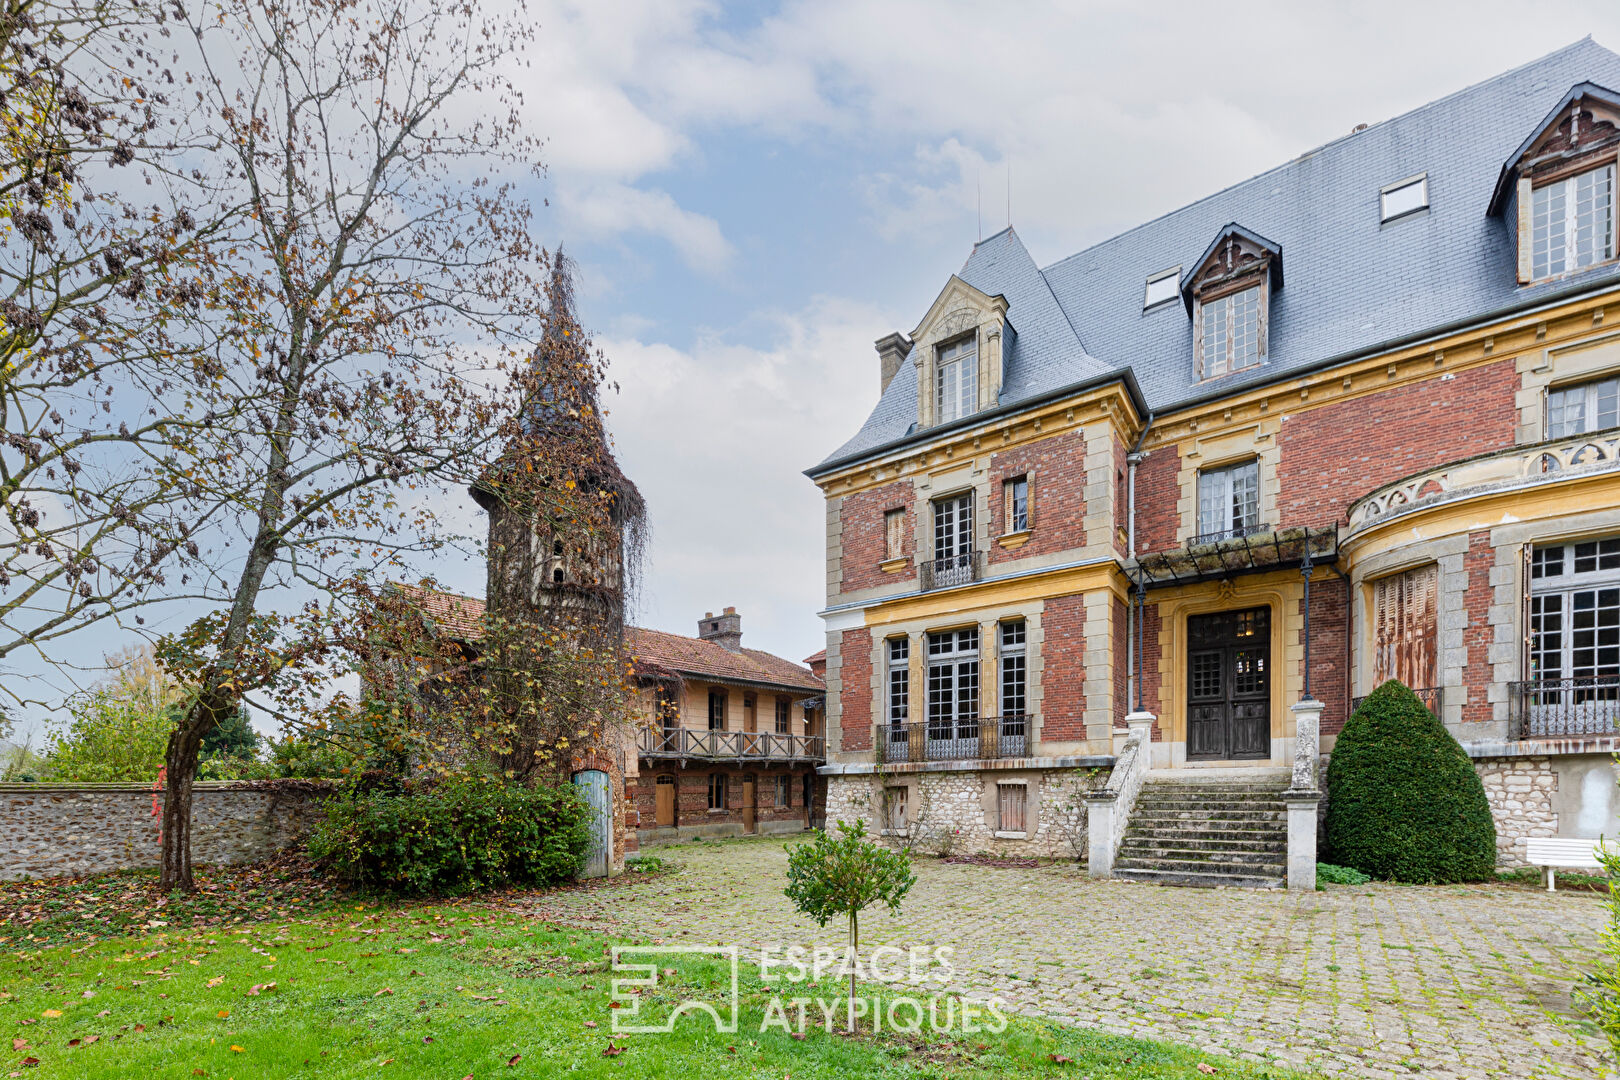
column 655, row 652
column 1354, row 287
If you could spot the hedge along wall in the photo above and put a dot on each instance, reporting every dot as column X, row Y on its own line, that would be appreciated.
column 69, row 830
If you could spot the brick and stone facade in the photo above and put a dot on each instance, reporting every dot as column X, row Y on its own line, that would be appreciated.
column 1408, row 411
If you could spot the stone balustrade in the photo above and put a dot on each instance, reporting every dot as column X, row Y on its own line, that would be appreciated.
column 1504, row 470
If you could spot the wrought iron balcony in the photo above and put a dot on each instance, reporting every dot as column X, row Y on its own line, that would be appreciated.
column 1502, row 470
column 1559, row 708
column 974, row 739
column 953, row 570
column 1432, row 696
column 730, row 745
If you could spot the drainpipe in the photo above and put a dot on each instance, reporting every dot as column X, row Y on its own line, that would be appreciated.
column 1132, row 459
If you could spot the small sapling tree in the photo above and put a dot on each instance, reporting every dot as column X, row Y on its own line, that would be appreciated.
column 842, row 876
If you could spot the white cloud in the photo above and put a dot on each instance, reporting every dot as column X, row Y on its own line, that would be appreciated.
column 716, row 437
column 609, row 209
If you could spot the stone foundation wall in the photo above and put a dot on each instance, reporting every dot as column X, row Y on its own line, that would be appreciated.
column 1521, row 792
column 63, row 830
column 956, row 812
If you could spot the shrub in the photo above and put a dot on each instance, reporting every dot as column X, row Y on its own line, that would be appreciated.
column 1329, row 874
column 1601, row 995
column 109, row 738
column 460, row 835
column 1404, row 801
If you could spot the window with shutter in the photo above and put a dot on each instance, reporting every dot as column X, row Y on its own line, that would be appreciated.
column 894, row 533
column 1405, row 622
column 1011, row 803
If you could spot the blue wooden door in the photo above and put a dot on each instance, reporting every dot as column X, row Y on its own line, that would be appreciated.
column 593, row 784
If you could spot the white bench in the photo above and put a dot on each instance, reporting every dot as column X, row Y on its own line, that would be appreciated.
column 1550, row 853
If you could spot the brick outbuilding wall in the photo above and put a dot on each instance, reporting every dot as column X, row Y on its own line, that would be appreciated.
column 1057, row 500
column 863, row 539
column 1063, row 676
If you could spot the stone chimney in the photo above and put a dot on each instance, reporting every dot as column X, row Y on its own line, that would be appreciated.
column 892, row 351
column 724, row 629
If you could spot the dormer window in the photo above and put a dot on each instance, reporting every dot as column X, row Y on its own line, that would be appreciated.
column 1228, row 293
column 1572, row 222
column 956, row 379
column 1231, row 333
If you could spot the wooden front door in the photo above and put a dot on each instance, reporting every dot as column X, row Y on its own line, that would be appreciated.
column 1229, row 685
column 750, row 815
column 664, row 802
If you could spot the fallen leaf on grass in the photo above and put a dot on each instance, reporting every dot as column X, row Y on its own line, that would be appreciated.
column 29, row 1062
column 384, row 990
column 427, row 1038
column 1207, row 1069
column 140, row 1027
column 612, row 1051
column 253, row 991
column 216, row 980
column 588, row 1023
column 51, row 1014
column 223, row 1013
column 1060, row 1059
column 235, row 1049
column 513, row 1060
column 199, row 1072
column 22, row 1044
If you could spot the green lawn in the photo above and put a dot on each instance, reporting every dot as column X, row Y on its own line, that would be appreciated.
column 453, row 991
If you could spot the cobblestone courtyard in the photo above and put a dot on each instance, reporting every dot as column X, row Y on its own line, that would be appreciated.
column 1375, row 980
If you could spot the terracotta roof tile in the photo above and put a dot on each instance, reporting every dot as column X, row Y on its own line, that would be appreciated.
column 655, row 651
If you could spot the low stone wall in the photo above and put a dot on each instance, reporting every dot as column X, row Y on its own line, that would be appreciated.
column 71, row 830
column 955, row 811
column 1534, row 792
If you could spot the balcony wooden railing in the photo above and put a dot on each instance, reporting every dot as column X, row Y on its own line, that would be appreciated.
column 954, row 570
column 1559, row 708
column 973, row 739
column 730, row 745
column 1432, row 696
column 1503, row 470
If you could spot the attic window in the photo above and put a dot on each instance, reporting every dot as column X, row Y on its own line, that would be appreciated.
column 1572, row 222
column 1404, row 197
column 1165, row 285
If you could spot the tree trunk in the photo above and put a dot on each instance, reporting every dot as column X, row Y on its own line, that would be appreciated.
column 854, row 953
column 180, row 768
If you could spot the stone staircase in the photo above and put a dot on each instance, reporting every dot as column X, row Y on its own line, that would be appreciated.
column 1223, row 827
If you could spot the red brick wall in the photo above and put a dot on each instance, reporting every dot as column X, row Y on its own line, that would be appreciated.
column 1057, row 499
column 1063, row 668
column 692, row 793
column 864, row 544
column 855, row 674
column 1152, row 698
column 1158, row 487
column 1329, row 671
column 1477, row 635
column 1333, row 455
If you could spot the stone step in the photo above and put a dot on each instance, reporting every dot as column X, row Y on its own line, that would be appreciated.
column 1190, row 854
column 1200, row 841
column 1240, row 788
column 1204, row 880
column 1229, row 818
column 1189, row 863
column 1206, row 831
column 1257, row 803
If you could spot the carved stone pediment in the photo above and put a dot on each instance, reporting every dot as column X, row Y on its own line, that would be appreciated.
column 960, row 309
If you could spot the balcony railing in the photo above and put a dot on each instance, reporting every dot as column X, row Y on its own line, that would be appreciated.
column 953, row 570
column 1557, row 708
column 1229, row 534
column 974, row 739
column 1432, row 696
column 1503, row 470
column 730, row 745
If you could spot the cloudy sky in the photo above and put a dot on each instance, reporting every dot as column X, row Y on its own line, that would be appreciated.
column 756, row 192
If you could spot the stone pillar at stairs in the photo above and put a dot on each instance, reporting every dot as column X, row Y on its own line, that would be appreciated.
column 1108, row 808
column 1303, row 796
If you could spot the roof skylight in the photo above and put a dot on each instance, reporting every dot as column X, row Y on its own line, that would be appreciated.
column 1404, row 197
column 1165, row 285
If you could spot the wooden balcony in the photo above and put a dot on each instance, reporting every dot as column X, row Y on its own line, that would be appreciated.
column 753, row 746
column 1503, row 470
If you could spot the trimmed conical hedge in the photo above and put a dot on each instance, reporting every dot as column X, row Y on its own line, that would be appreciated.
column 1404, row 801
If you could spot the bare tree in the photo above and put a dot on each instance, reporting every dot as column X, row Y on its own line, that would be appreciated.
column 382, row 302
column 106, row 268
